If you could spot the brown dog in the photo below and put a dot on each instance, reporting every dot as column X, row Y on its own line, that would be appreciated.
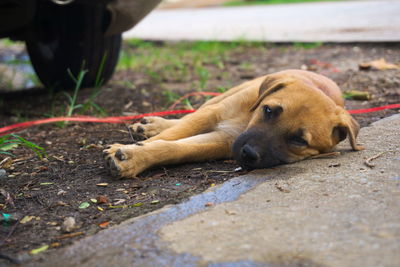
column 275, row 119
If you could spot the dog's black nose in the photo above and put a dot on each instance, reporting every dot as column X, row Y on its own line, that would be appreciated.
column 248, row 154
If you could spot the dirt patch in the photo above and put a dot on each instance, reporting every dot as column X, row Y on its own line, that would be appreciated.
column 55, row 188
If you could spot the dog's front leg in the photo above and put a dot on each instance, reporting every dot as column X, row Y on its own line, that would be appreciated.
column 202, row 121
column 130, row 160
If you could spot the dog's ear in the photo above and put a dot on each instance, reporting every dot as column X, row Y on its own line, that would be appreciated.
column 347, row 126
column 269, row 86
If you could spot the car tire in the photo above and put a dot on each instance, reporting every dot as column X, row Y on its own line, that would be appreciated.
column 70, row 38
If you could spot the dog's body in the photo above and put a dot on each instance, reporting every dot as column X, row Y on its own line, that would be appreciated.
column 278, row 118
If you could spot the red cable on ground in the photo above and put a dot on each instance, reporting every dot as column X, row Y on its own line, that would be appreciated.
column 124, row 119
column 121, row 119
column 367, row 110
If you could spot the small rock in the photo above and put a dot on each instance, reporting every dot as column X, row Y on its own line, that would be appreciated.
column 69, row 224
column 3, row 173
column 61, row 192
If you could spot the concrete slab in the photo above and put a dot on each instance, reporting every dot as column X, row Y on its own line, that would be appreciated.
column 325, row 212
column 347, row 21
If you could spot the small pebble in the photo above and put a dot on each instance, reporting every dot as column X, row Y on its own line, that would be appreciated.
column 3, row 173
column 69, row 224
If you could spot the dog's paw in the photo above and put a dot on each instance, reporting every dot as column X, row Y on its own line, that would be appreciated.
column 150, row 126
column 123, row 160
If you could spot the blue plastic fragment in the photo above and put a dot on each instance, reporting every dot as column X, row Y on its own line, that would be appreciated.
column 6, row 216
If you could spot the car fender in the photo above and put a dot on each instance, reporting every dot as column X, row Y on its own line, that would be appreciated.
column 127, row 13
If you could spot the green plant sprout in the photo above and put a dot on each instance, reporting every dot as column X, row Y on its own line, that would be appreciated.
column 12, row 141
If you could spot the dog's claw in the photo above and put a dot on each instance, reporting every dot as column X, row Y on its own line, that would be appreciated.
column 105, row 153
column 120, row 155
column 140, row 129
column 112, row 167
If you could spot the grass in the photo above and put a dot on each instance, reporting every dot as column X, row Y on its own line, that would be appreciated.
column 181, row 61
column 10, row 142
column 312, row 45
column 193, row 63
column 89, row 105
column 272, row 2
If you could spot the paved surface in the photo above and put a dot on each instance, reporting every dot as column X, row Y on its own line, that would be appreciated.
column 349, row 21
column 325, row 212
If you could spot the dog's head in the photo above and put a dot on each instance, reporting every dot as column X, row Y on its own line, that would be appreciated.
column 292, row 119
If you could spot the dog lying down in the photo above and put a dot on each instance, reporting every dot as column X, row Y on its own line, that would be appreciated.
column 275, row 119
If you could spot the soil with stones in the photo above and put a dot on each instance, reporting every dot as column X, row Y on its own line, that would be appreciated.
column 72, row 180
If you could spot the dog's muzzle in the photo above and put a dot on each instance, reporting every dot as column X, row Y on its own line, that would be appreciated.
column 252, row 151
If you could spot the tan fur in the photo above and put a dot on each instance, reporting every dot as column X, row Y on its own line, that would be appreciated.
column 209, row 133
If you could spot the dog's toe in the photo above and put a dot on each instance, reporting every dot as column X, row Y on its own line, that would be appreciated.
column 120, row 155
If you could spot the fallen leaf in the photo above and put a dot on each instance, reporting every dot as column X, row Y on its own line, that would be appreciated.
column 93, row 200
column 357, row 95
column 379, row 64
column 155, row 202
column 209, row 204
column 39, row 250
column 55, row 244
column 6, row 163
column 84, row 205
column 102, row 184
column 28, row 218
column 102, row 199
column 69, row 235
column 91, row 146
column 119, row 201
column 100, row 208
column 137, row 204
column 104, row 224
column 62, row 203
column 46, row 183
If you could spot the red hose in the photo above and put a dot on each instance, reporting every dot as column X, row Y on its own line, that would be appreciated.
column 124, row 119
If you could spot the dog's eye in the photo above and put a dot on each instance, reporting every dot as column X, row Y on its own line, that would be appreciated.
column 298, row 141
column 272, row 112
column 267, row 110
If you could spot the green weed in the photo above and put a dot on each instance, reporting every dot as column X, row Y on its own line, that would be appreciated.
column 171, row 96
column 222, row 89
column 12, row 141
column 301, row 45
column 72, row 99
column 203, row 75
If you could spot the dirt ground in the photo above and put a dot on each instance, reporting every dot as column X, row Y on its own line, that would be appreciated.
column 53, row 189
